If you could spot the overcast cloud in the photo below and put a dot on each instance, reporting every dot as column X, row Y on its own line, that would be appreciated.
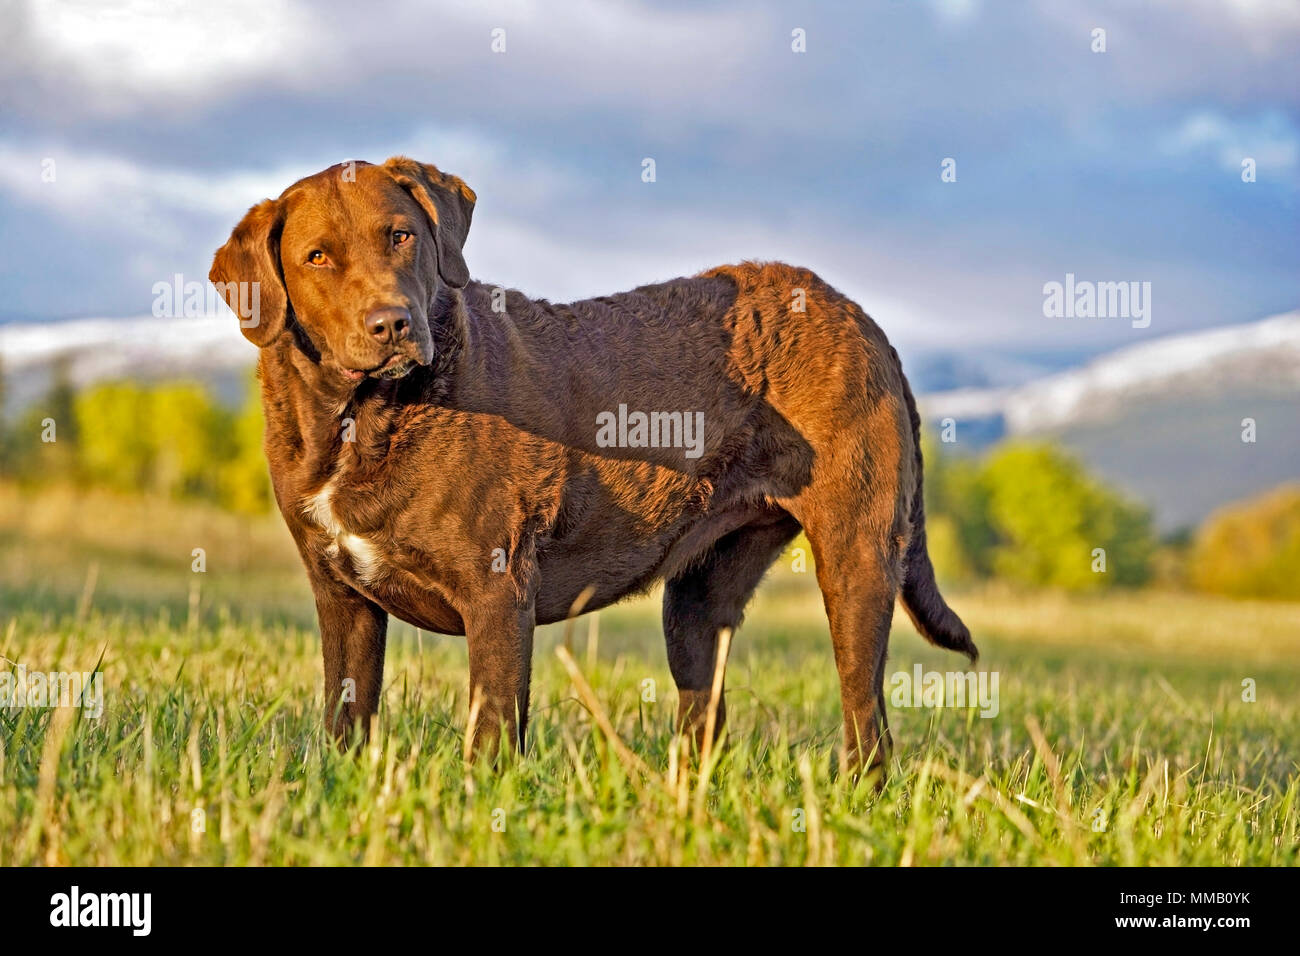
column 167, row 120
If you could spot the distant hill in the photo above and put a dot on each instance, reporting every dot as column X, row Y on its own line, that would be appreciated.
column 1162, row 419
column 209, row 349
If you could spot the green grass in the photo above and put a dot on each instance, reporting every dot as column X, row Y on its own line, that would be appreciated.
column 1124, row 708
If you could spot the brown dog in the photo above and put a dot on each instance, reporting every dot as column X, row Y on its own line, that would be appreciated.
column 473, row 461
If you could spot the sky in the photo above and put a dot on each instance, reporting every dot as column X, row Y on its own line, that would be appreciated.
column 163, row 122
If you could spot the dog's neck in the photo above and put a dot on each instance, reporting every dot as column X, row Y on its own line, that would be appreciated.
column 314, row 411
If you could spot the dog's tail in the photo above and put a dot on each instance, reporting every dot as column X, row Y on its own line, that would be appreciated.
column 930, row 614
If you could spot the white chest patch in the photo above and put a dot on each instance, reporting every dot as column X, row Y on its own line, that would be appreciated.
column 319, row 508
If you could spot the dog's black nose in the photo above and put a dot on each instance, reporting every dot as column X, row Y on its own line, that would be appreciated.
column 389, row 325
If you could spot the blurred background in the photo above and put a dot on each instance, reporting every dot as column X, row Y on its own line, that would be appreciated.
column 940, row 161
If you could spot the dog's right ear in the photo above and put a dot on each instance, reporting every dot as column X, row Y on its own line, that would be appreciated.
column 246, row 273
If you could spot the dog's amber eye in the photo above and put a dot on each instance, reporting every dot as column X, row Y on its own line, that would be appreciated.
column 400, row 237
column 316, row 258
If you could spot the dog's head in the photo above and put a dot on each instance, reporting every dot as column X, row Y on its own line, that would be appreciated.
column 354, row 256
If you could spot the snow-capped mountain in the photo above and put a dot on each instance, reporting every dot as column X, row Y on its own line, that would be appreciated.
column 1263, row 353
column 1162, row 419
column 1267, row 351
column 107, row 347
column 1184, row 423
column 207, row 348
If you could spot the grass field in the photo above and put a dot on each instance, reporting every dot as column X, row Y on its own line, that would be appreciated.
column 1121, row 736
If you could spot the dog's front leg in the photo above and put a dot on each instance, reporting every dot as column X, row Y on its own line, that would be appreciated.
column 353, row 636
column 499, row 632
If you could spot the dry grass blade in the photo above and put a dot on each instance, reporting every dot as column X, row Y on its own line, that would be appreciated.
column 968, row 783
column 715, row 696
column 708, row 751
column 471, row 725
column 634, row 764
column 575, row 609
column 813, row 818
column 1053, row 766
column 88, row 592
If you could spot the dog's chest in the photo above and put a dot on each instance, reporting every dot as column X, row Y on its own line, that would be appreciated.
column 361, row 551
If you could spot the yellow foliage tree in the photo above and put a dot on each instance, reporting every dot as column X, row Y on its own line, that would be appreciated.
column 1251, row 548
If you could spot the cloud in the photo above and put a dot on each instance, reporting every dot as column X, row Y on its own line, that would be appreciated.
column 104, row 190
column 955, row 11
column 166, row 127
column 132, row 56
column 1270, row 139
column 1269, row 22
column 537, row 227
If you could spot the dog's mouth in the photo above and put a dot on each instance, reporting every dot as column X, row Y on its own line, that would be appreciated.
column 395, row 366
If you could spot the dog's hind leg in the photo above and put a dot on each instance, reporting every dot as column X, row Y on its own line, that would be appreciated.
column 859, row 570
column 703, row 599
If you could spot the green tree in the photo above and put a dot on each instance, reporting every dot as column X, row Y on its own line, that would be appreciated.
column 171, row 438
column 43, row 444
column 1050, row 516
column 116, row 450
column 245, row 483
column 959, row 526
column 190, row 439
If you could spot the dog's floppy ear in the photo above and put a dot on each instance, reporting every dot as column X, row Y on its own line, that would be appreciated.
column 246, row 273
column 448, row 203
